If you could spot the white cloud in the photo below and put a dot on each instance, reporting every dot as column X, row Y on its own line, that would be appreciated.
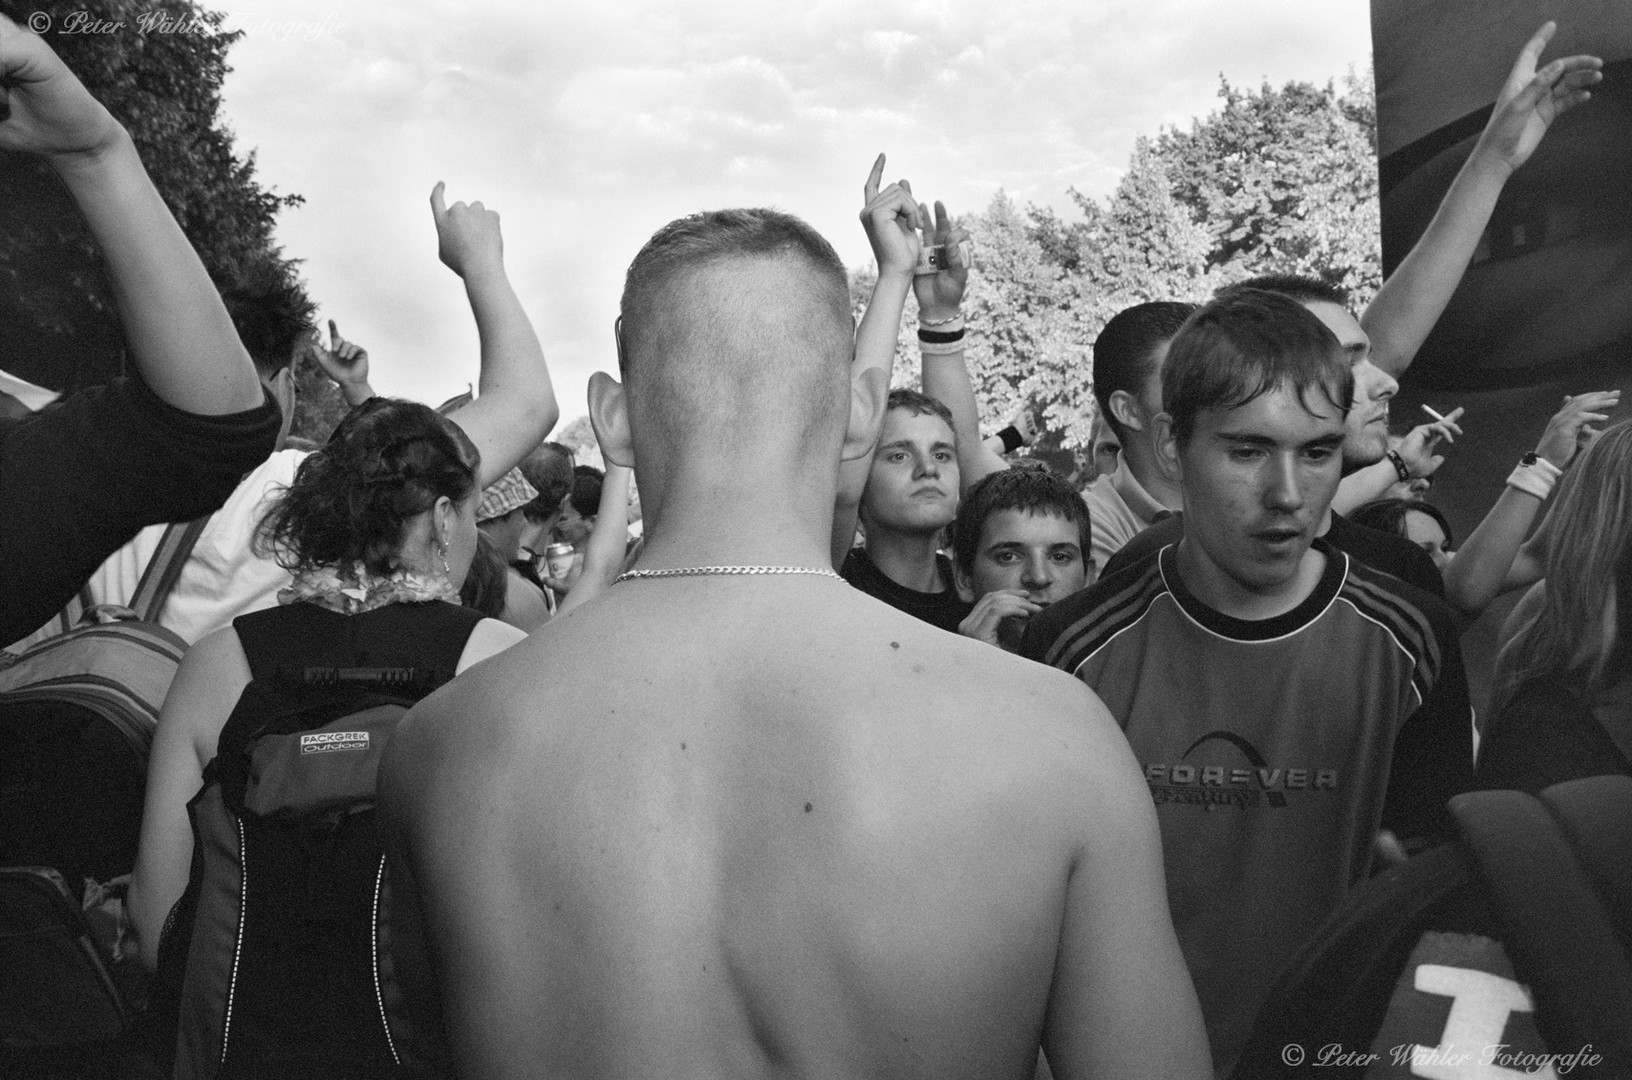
column 589, row 126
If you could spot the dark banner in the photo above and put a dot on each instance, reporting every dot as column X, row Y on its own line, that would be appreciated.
column 1545, row 309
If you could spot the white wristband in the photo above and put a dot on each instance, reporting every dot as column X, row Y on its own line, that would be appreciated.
column 1535, row 478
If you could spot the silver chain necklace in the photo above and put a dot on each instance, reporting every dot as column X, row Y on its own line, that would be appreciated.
column 698, row 571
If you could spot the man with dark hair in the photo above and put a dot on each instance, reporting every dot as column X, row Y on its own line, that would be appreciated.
column 1383, row 341
column 1128, row 357
column 1019, row 543
column 910, row 499
column 1285, row 701
column 579, row 505
column 1365, row 443
column 733, row 816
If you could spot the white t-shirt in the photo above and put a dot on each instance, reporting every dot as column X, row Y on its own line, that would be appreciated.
column 223, row 578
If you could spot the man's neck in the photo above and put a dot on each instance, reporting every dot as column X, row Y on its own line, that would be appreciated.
column 908, row 559
column 1140, row 461
column 1212, row 586
column 728, row 523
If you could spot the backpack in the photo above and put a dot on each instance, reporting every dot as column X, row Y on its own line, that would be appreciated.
column 77, row 713
column 62, row 1013
column 277, row 959
column 1511, row 949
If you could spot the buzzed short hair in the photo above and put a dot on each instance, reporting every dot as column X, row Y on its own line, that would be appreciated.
column 1034, row 491
column 1246, row 344
column 706, row 354
column 1125, row 350
column 1303, row 289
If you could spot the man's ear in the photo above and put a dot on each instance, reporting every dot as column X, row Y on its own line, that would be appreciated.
column 1167, row 448
column 962, row 582
column 1126, row 410
column 869, row 390
column 609, row 417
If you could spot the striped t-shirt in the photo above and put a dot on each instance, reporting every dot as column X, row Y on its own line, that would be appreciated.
column 1271, row 748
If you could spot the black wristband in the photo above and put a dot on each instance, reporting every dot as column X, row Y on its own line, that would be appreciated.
column 1012, row 440
column 940, row 337
column 1399, row 466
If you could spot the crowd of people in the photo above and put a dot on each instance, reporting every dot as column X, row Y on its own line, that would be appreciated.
column 883, row 750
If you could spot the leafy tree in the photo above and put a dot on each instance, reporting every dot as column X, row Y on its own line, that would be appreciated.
column 159, row 68
column 1285, row 181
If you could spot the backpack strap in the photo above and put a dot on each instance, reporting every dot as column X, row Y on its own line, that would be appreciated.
column 1549, row 864
column 164, row 568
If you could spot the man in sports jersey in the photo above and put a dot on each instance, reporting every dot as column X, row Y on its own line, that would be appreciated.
column 1279, row 695
column 735, row 817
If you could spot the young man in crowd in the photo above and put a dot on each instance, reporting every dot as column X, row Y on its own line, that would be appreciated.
column 1285, row 701
column 734, row 816
column 1128, row 356
column 1020, row 540
column 1365, row 443
column 1385, row 338
column 910, row 499
column 79, row 478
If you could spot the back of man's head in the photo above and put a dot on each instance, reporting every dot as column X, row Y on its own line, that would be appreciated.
column 737, row 334
column 1028, row 490
column 585, row 489
column 1303, row 289
column 548, row 469
column 270, row 310
column 1245, row 344
column 1125, row 351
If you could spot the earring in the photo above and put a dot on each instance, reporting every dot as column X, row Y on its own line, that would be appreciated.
column 442, row 551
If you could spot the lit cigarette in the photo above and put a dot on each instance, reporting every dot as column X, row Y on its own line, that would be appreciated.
column 1432, row 413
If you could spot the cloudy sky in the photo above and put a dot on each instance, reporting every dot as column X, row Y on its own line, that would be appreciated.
column 589, row 127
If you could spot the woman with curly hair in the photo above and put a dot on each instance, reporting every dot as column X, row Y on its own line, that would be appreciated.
column 1562, row 703
column 379, row 531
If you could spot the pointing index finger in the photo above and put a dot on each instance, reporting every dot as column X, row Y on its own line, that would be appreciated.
column 870, row 190
column 439, row 207
column 334, row 336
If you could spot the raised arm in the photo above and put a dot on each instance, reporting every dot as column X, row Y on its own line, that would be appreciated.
column 181, row 339
column 1489, row 562
column 890, row 217
column 946, row 375
column 608, row 540
column 515, row 407
column 1412, row 299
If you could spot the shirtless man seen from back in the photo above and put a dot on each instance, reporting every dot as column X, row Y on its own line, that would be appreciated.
column 761, row 824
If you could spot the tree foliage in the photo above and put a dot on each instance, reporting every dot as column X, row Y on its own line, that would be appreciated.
column 1274, row 181
column 158, row 67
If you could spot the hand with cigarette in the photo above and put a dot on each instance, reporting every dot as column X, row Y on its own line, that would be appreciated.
column 1416, row 450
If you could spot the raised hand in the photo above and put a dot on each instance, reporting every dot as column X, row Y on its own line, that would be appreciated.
column 890, row 217
column 467, row 236
column 1417, row 448
column 1531, row 100
column 939, row 294
column 44, row 108
column 344, row 361
column 1572, row 428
